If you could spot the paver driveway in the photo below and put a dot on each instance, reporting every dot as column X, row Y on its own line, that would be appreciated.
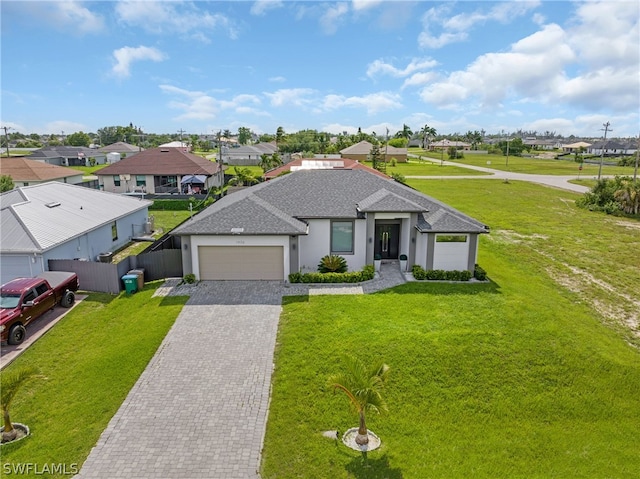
column 199, row 410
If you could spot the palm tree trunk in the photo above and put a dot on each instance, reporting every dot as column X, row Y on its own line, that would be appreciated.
column 362, row 438
column 9, row 433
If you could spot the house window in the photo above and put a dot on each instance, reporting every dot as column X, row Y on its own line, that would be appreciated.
column 166, row 181
column 341, row 237
column 141, row 180
column 451, row 238
column 116, row 180
column 114, row 231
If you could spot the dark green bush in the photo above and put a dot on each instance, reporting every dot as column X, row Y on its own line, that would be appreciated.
column 420, row 274
column 365, row 274
column 479, row 273
column 332, row 264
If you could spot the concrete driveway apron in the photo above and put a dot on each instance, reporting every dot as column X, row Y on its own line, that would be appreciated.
column 199, row 409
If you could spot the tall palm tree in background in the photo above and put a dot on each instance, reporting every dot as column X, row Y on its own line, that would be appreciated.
column 405, row 133
column 363, row 386
column 427, row 133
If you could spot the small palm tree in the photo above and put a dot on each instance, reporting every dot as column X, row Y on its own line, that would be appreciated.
column 332, row 264
column 363, row 386
column 11, row 384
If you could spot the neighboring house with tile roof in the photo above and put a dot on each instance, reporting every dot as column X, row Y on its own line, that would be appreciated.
column 61, row 221
column 573, row 147
column 25, row 172
column 319, row 164
column 160, row 171
column 69, row 156
column 289, row 223
column 361, row 151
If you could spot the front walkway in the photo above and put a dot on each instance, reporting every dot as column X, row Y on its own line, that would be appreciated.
column 199, row 410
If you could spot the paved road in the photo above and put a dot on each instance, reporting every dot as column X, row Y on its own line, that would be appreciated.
column 199, row 410
column 547, row 180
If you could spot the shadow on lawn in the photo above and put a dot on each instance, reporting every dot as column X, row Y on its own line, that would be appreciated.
column 364, row 468
column 441, row 288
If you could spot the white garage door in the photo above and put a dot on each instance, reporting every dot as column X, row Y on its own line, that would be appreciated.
column 241, row 262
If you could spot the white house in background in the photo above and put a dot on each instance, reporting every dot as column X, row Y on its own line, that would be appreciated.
column 124, row 150
column 61, row 221
column 289, row 223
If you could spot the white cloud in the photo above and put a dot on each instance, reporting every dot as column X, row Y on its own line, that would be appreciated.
column 418, row 79
column 67, row 126
column 261, row 7
column 381, row 67
column 291, row 97
column 198, row 105
column 70, row 16
column 373, row 103
column 365, row 4
column 456, row 28
column 184, row 18
column 278, row 79
column 333, row 17
column 125, row 56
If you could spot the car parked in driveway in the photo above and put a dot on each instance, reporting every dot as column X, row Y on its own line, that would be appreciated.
column 24, row 300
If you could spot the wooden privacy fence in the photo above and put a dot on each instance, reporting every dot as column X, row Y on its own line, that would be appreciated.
column 107, row 277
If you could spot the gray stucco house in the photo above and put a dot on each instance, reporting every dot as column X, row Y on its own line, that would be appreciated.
column 62, row 221
column 288, row 224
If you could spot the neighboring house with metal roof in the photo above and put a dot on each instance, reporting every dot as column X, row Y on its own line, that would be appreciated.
column 69, row 156
column 25, row 172
column 288, row 224
column 362, row 151
column 61, row 221
column 159, row 171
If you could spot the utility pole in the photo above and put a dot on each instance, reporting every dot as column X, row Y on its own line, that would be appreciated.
column 604, row 143
column 6, row 136
column 635, row 170
column 181, row 131
column 220, row 163
column 508, row 140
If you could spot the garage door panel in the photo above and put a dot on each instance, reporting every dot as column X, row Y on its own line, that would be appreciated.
column 241, row 262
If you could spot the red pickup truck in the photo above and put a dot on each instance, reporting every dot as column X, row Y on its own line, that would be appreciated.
column 23, row 300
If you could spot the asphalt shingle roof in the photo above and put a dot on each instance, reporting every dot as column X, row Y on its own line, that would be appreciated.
column 162, row 161
column 307, row 194
column 24, row 169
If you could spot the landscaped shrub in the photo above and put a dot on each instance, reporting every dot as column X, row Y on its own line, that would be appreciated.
column 420, row 273
column 367, row 273
column 479, row 273
column 332, row 263
column 189, row 278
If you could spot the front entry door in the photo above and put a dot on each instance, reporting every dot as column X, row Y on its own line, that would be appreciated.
column 387, row 240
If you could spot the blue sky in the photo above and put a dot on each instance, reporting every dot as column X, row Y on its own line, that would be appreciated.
column 566, row 67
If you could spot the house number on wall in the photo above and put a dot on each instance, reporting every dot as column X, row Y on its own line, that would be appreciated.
column 239, row 242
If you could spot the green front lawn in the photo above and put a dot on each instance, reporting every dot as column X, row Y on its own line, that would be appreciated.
column 91, row 359
column 531, row 376
column 518, row 164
